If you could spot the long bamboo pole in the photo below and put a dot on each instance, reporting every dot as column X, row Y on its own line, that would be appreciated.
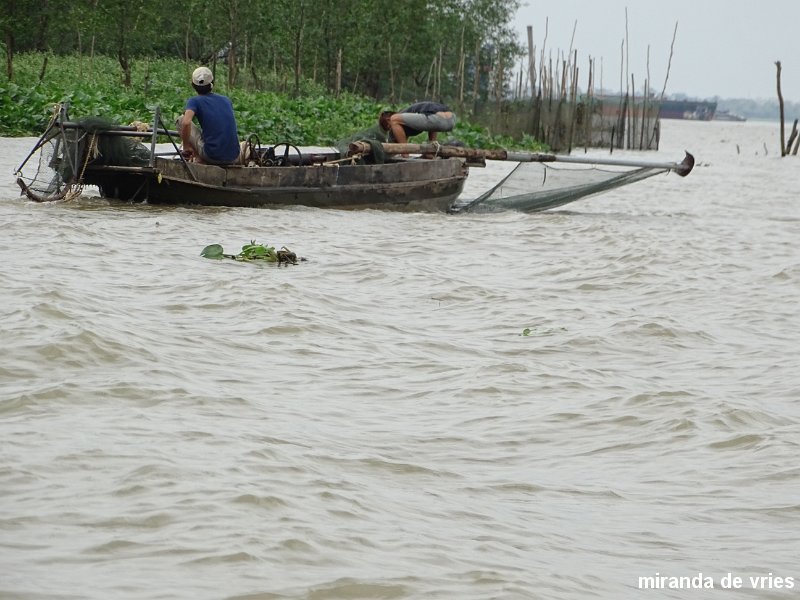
column 531, row 63
column 682, row 168
column 125, row 130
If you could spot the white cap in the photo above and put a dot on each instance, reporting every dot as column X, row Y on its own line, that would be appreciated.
column 202, row 76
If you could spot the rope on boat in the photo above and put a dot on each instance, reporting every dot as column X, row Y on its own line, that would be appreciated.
column 347, row 159
column 76, row 189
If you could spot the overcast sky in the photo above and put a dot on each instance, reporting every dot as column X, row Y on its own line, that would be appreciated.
column 724, row 48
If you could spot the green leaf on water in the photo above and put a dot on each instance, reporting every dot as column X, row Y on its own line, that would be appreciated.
column 212, row 251
column 254, row 251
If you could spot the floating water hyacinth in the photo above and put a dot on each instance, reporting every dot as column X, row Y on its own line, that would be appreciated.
column 253, row 252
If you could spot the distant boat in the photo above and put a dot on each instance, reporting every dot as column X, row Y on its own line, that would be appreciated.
column 724, row 115
column 692, row 110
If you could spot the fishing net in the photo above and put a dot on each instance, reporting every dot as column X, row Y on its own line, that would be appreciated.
column 537, row 186
column 62, row 155
column 55, row 158
column 117, row 150
column 374, row 136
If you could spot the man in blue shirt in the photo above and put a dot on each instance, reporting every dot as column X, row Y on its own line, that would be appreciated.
column 216, row 142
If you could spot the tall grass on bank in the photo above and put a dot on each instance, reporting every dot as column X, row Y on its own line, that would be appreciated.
column 93, row 88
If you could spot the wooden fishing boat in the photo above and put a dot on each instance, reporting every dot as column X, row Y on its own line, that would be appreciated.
column 82, row 153
column 366, row 174
column 410, row 185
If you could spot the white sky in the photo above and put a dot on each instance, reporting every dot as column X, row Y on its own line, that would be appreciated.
column 724, row 48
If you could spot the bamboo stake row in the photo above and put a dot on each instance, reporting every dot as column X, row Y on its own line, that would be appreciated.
column 548, row 102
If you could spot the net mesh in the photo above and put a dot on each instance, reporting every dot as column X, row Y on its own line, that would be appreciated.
column 535, row 186
column 62, row 155
column 56, row 160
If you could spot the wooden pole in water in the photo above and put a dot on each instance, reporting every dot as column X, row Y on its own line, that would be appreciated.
column 620, row 127
column 792, row 136
column 780, row 105
column 461, row 64
column 531, row 62
column 587, row 108
column 645, row 102
column 532, row 122
column 643, row 124
column 498, row 89
column 477, row 76
column 573, row 102
column 632, row 116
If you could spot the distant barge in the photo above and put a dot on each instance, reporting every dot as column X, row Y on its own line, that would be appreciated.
column 692, row 110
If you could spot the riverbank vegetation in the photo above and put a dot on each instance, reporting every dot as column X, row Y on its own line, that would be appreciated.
column 303, row 71
column 93, row 89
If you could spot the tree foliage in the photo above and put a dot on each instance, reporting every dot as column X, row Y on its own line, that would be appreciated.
column 384, row 49
column 93, row 89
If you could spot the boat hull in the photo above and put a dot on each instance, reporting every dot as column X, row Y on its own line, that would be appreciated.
column 407, row 185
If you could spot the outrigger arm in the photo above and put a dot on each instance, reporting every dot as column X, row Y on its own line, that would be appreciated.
column 682, row 168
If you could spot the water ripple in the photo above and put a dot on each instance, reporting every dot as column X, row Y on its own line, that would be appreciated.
column 471, row 406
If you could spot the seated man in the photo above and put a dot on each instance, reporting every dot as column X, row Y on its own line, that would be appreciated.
column 432, row 117
column 216, row 142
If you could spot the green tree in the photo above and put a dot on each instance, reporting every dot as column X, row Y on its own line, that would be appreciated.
column 388, row 50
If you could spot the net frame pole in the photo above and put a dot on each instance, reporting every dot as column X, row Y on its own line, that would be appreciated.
column 154, row 137
column 682, row 168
